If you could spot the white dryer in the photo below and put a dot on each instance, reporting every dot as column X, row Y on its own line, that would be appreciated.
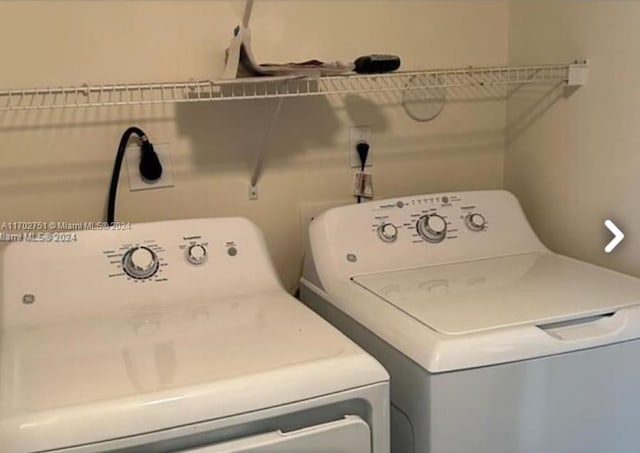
column 494, row 344
column 174, row 336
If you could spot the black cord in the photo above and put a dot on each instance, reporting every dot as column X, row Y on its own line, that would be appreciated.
column 150, row 167
column 363, row 152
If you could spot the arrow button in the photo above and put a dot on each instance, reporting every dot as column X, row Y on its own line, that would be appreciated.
column 618, row 236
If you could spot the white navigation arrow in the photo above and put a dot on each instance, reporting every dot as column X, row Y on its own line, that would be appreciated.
column 618, row 236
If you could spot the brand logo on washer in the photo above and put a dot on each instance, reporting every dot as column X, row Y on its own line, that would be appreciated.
column 28, row 299
column 351, row 258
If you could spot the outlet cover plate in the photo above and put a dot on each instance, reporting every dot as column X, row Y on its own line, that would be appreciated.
column 132, row 155
column 357, row 134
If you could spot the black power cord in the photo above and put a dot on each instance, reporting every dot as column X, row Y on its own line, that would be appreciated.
column 363, row 153
column 150, row 166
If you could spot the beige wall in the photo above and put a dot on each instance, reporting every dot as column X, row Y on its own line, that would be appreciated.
column 573, row 164
column 56, row 165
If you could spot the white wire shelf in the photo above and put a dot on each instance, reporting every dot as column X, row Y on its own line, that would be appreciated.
column 264, row 88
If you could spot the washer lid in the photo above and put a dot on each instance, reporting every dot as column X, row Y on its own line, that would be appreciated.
column 529, row 289
column 148, row 369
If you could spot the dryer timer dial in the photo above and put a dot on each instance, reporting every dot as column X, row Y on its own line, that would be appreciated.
column 140, row 262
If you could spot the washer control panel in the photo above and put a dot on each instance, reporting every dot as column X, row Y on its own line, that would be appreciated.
column 428, row 219
column 421, row 230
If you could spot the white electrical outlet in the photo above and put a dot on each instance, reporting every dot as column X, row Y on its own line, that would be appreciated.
column 356, row 135
column 132, row 155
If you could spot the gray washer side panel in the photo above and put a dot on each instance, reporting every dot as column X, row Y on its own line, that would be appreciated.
column 581, row 402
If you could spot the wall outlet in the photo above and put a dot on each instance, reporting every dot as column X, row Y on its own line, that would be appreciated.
column 132, row 155
column 356, row 135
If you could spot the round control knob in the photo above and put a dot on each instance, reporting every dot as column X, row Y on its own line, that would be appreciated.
column 196, row 254
column 140, row 262
column 475, row 222
column 388, row 232
column 432, row 228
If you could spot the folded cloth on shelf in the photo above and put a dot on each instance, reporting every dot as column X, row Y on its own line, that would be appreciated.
column 309, row 68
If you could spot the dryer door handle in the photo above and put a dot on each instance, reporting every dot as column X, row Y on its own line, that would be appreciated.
column 350, row 434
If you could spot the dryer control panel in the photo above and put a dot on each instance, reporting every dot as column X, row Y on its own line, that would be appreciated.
column 150, row 265
column 146, row 260
column 417, row 231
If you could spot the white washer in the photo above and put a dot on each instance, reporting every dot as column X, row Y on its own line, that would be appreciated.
column 174, row 336
column 494, row 344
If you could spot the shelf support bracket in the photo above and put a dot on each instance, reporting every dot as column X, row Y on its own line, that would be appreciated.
column 578, row 73
column 241, row 33
column 257, row 171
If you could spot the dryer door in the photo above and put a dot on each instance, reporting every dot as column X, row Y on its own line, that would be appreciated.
column 349, row 435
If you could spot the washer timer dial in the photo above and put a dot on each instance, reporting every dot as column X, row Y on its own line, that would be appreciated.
column 140, row 262
column 432, row 228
